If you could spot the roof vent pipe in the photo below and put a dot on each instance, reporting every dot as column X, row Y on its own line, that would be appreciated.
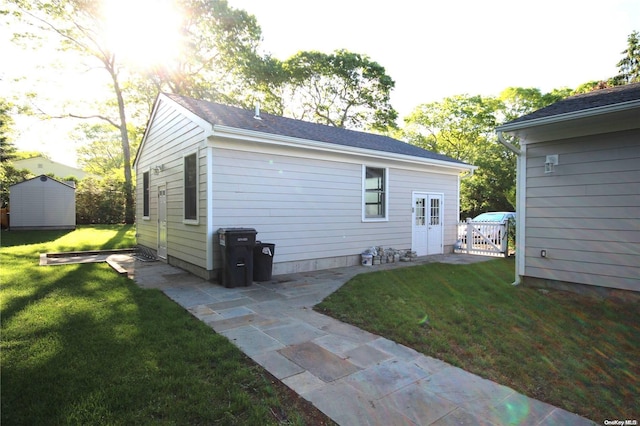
column 257, row 113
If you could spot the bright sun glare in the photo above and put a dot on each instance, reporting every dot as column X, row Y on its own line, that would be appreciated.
column 143, row 32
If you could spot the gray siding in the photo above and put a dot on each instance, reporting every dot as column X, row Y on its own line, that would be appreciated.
column 170, row 137
column 306, row 201
column 587, row 213
column 311, row 207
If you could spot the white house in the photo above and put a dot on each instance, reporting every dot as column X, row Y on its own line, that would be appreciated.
column 43, row 166
column 42, row 203
column 321, row 194
column 578, row 192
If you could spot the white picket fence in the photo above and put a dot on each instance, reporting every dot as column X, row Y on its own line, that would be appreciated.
column 485, row 238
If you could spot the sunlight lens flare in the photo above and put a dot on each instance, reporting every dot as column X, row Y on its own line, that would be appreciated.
column 144, row 33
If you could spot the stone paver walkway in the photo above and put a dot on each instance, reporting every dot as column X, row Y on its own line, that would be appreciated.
column 353, row 376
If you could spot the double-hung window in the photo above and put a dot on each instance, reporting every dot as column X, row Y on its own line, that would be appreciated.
column 375, row 193
column 145, row 194
column 191, row 188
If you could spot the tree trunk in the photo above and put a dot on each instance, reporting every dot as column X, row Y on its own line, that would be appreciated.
column 129, row 209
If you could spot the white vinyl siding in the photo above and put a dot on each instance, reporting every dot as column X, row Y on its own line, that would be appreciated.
column 311, row 208
column 586, row 214
column 171, row 136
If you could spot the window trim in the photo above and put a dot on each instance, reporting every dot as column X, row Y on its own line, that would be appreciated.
column 146, row 196
column 385, row 190
column 185, row 220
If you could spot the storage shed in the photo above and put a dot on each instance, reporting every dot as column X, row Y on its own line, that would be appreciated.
column 42, row 203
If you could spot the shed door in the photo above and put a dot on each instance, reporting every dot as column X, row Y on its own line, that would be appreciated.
column 162, row 222
column 427, row 224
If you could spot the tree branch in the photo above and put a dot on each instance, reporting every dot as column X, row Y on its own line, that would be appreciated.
column 87, row 117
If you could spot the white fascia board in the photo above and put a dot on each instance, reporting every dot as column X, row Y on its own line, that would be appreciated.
column 204, row 124
column 585, row 113
column 261, row 137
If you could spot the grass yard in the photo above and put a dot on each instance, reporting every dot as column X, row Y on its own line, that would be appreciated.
column 82, row 345
column 576, row 352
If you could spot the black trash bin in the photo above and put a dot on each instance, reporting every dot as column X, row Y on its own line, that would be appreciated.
column 237, row 256
column 263, row 261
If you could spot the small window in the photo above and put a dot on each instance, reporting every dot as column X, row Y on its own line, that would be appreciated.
column 375, row 193
column 191, row 187
column 145, row 194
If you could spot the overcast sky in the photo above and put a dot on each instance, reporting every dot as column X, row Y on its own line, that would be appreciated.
column 432, row 49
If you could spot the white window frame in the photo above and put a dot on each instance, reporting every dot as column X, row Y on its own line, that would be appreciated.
column 385, row 218
column 148, row 216
column 186, row 221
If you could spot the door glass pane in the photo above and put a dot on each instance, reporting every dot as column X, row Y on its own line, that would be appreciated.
column 435, row 212
column 420, row 212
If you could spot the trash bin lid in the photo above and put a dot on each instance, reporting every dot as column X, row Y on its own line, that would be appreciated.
column 237, row 236
column 237, row 231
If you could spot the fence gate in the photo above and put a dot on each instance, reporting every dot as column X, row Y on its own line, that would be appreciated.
column 484, row 238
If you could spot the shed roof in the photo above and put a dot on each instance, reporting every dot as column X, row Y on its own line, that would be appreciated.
column 45, row 178
column 218, row 114
column 585, row 101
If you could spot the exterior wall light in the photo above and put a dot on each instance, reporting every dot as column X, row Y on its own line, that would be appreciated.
column 550, row 163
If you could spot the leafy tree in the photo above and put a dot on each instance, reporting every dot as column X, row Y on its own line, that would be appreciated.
column 519, row 101
column 9, row 175
column 458, row 126
column 342, row 89
column 463, row 127
column 492, row 186
column 100, row 153
column 7, row 149
column 590, row 86
column 629, row 66
column 80, row 27
column 219, row 59
column 219, row 45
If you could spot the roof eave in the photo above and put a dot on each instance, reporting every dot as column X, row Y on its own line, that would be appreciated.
column 255, row 136
column 574, row 115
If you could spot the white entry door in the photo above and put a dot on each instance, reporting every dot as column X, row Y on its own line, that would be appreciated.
column 162, row 222
column 427, row 224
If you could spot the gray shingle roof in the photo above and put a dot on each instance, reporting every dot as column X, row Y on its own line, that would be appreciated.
column 585, row 101
column 244, row 119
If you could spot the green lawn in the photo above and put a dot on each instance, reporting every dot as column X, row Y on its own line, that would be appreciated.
column 82, row 345
column 576, row 352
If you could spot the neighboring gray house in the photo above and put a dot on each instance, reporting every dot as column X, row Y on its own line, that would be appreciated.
column 320, row 193
column 42, row 203
column 579, row 192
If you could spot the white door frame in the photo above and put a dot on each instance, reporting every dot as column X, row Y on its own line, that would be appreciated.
column 162, row 221
column 427, row 231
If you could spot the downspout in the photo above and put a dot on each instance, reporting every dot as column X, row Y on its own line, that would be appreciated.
column 520, row 202
column 210, row 247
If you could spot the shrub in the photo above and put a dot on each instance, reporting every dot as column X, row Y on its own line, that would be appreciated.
column 100, row 201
